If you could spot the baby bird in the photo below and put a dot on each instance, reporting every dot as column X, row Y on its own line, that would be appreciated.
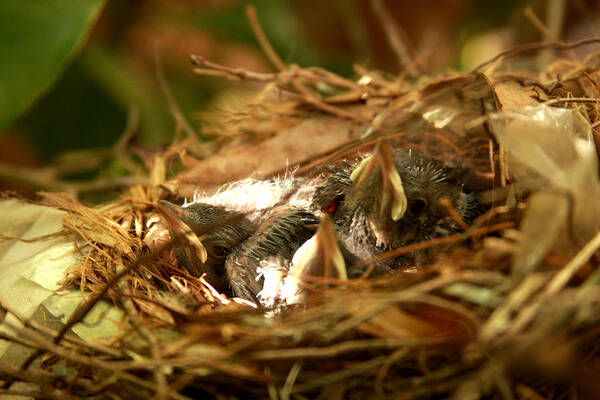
column 261, row 234
column 386, row 201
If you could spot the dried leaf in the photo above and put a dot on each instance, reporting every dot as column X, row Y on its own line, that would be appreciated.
column 513, row 96
column 301, row 142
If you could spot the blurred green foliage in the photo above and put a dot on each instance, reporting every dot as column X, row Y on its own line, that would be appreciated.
column 88, row 106
column 38, row 39
column 116, row 70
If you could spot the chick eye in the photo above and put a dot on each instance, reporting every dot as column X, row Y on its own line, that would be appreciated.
column 417, row 206
column 220, row 251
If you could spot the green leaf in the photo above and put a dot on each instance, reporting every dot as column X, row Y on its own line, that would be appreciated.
column 39, row 37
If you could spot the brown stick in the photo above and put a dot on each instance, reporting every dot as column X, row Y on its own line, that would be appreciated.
column 436, row 242
column 81, row 311
column 536, row 46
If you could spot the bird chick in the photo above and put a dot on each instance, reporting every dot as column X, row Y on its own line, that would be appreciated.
column 374, row 204
column 219, row 231
column 389, row 200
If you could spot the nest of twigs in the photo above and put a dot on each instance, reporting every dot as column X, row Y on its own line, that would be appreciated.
column 501, row 313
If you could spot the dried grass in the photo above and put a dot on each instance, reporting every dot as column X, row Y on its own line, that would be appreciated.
column 465, row 327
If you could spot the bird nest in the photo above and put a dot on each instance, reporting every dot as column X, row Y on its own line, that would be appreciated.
column 508, row 308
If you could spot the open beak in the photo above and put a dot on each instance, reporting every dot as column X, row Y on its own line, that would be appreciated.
column 175, row 217
column 321, row 254
column 391, row 190
column 318, row 256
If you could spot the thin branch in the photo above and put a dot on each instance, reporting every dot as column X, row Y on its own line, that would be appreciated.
column 35, row 394
column 79, row 314
column 396, row 37
column 34, row 341
column 33, row 240
column 311, row 74
column 119, row 150
column 340, row 349
column 46, row 179
column 28, row 322
column 286, row 77
column 159, row 376
column 539, row 25
column 259, row 33
column 178, row 116
column 436, row 242
column 569, row 270
column 572, row 100
column 550, row 34
column 536, row 46
column 271, row 54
